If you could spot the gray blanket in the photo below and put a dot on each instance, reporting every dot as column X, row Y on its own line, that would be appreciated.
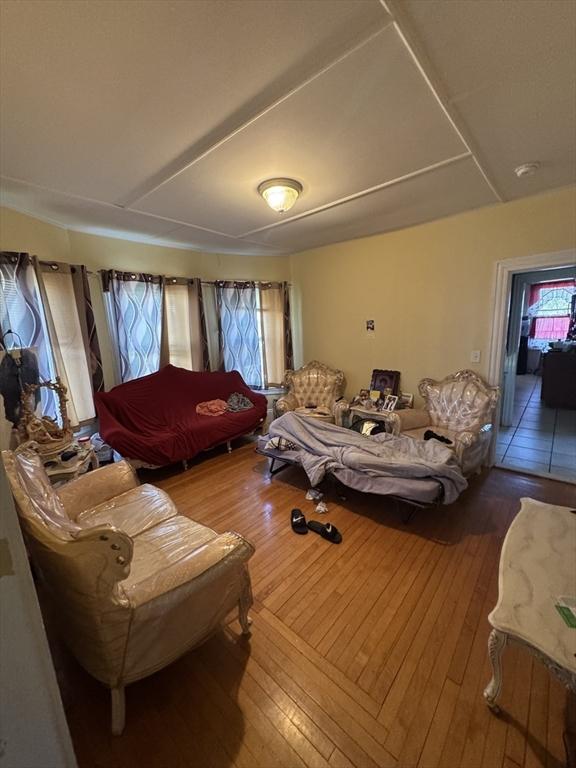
column 327, row 448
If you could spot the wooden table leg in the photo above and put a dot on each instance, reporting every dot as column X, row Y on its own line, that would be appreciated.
column 496, row 644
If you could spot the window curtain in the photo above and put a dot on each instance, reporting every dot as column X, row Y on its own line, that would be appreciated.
column 88, row 325
column 276, row 332
column 67, row 338
column 134, row 303
column 550, row 309
column 184, row 338
column 571, row 335
column 254, row 331
column 21, row 312
column 239, row 331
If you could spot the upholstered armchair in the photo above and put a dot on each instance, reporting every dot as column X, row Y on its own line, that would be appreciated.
column 134, row 584
column 460, row 408
column 315, row 384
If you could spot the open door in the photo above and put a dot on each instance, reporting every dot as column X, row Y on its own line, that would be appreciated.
column 511, row 351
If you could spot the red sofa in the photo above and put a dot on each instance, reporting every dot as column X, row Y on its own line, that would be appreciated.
column 154, row 418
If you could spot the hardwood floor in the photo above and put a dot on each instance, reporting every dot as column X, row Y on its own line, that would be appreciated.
column 371, row 653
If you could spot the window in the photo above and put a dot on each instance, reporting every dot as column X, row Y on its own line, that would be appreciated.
column 550, row 309
column 134, row 306
column 39, row 307
column 252, row 328
column 70, row 344
column 183, row 323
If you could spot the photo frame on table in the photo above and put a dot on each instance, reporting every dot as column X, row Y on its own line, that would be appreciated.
column 390, row 402
column 406, row 400
column 384, row 379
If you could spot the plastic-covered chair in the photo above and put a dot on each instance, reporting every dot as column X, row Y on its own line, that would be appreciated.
column 135, row 584
column 460, row 408
column 315, row 384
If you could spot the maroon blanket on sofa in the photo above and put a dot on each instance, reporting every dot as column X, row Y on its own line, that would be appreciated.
column 154, row 418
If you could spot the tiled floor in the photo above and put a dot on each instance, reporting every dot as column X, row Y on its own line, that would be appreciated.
column 542, row 439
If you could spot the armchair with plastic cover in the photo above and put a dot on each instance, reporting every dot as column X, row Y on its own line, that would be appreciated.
column 315, row 384
column 461, row 408
column 134, row 584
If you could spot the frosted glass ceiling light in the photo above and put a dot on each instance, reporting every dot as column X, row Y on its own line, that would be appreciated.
column 280, row 194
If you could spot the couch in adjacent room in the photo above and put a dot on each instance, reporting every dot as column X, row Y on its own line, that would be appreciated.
column 154, row 420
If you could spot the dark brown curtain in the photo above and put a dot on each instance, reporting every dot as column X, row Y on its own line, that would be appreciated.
column 203, row 326
column 86, row 315
column 288, row 346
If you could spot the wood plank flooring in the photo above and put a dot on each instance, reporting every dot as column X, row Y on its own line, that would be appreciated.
column 369, row 654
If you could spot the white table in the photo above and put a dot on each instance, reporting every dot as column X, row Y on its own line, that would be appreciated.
column 537, row 566
column 359, row 412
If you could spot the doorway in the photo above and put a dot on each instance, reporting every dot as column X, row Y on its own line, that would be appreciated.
column 531, row 435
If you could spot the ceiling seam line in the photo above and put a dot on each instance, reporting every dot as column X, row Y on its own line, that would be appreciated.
column 363, row 193
column 117, row 207
column 261, row 113
column 454, row 122
column 146, row 239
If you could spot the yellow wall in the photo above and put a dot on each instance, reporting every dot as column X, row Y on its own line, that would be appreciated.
column 428, row 288
column 19, row 232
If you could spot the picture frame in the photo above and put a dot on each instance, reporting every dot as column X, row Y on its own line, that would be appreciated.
column 390, row 402
column 406, row 400
column 385, row 379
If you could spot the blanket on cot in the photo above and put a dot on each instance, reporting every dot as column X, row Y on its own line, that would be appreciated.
column 326, row 448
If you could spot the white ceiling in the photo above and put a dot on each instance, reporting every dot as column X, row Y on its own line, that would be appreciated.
column 157, row 119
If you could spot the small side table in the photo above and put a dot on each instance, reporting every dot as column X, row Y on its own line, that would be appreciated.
column 358, row 412
column 85, row 459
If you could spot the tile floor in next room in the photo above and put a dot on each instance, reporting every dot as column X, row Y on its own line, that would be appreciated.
column 541, row 439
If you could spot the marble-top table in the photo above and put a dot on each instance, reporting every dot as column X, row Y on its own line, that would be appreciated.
column 537, row 566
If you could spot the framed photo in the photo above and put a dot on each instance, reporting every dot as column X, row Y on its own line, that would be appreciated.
column 406, row 400
column 383, row 380
column 390, row 402
column 364, row 394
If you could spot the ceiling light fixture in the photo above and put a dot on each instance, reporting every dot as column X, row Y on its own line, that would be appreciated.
column 526, row 169
column 280, row 194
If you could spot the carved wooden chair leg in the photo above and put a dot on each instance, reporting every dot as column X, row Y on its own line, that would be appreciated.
column 496, row 644
column 118, row 710
column 244, row 605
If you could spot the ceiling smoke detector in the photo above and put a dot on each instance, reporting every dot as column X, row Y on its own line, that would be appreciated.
column 526, row 169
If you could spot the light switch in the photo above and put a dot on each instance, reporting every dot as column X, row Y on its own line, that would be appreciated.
column 475, row 356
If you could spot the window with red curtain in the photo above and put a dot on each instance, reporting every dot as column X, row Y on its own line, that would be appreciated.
column 549, row 309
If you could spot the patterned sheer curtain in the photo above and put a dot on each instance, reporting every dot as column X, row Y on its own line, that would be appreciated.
column 240, row 331
column 254, row 331
column 134, row 305
column 21, row 312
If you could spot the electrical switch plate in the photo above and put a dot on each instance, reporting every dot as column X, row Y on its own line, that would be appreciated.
column 475, row 356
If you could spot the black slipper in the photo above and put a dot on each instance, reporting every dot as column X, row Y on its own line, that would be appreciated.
column 327, row 531
column 298, row 521
column 430, row 435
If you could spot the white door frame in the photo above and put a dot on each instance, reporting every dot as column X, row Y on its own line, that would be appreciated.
column 501, row 292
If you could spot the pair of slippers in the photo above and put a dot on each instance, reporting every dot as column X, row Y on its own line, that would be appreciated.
column 327, row 531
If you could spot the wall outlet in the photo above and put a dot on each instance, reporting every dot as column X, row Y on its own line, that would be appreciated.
column 475, row 356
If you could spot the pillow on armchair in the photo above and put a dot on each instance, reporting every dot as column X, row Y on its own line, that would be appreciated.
column 315, row 384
